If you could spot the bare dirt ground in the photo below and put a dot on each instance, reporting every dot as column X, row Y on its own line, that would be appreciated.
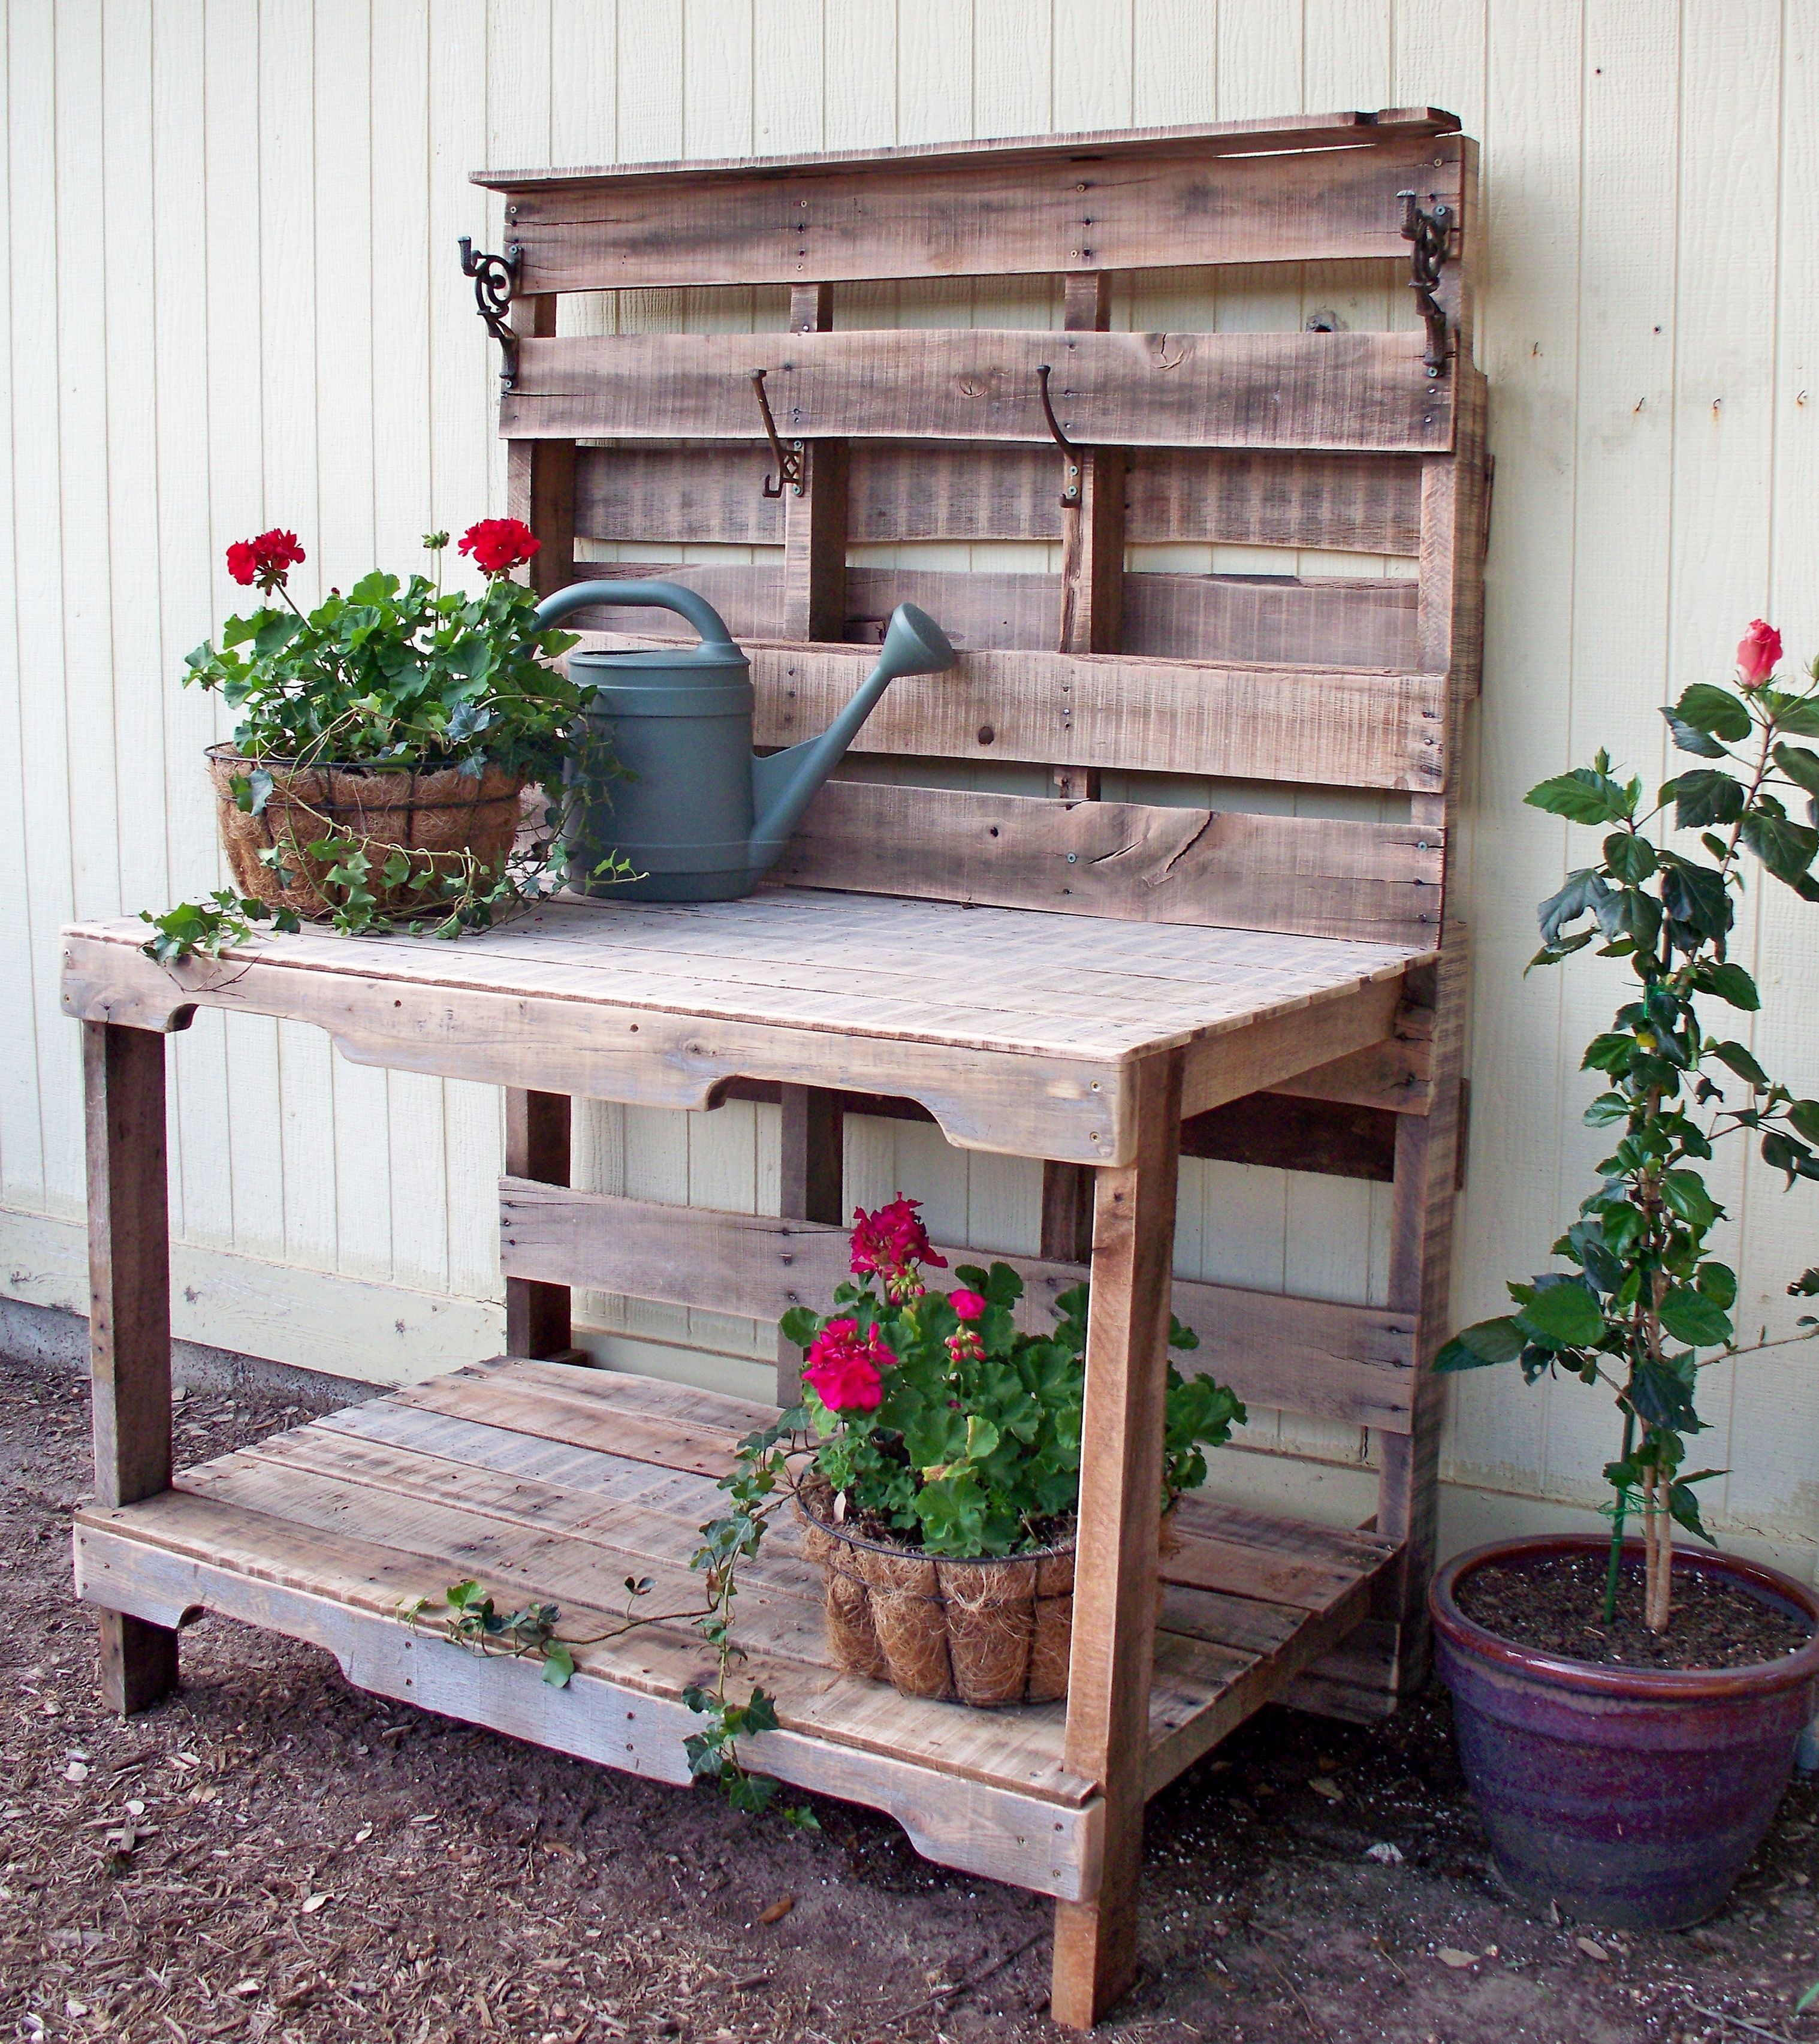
column 271, row 1854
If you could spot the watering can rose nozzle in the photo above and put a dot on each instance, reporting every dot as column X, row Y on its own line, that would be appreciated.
column 698, row 815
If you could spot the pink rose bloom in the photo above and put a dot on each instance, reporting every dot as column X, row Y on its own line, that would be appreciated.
column 968, row 1305
column 845, row 1370
column 1758, row 654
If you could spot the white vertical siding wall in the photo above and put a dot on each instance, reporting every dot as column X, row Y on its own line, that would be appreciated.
column 234, row 303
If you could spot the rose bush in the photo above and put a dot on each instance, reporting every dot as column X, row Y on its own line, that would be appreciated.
column 1642, row 1296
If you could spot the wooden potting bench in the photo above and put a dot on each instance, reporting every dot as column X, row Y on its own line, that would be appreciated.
column 1099, row 984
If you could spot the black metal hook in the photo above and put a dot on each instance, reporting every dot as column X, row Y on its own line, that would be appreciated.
column 1070, row 496
column 1431, row 235
column 788, row 458
column 495, row 280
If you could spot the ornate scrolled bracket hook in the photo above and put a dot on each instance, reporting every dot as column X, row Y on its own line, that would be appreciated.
column 1431, row 236
column 495, row 280
column 1070, row 496
column 789, row 468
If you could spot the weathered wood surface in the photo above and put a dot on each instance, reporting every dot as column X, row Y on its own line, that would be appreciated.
column 1161, row 199
column 549, row 1481
column 1353, row 1363
column 709, row 492
column 1348, row 730
column 129, row 1321
column 1366, row 393
column 1110, row 1664
column 537, row 1129
column 1274, row 621
column 1376, row 882
column 661, row 1005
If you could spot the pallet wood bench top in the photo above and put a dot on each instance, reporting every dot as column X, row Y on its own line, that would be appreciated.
column 661, row 1005
column 549, row 1482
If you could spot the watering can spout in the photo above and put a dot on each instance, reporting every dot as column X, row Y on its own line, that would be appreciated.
column 784, row 784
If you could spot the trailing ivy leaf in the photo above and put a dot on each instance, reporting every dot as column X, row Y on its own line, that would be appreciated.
column 1729, row 983
column 558, row 1664
column 1584, row 796
column 1564, row 1314
column 1713, row 709
column 1705, row 796
column 1584, row 891
column 1786, row 848
column 1739, row 1061
column 1691, row 1317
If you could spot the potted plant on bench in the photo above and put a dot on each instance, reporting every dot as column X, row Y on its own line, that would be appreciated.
column 386, row 743
column 935, row 1462
column 1628, row 1714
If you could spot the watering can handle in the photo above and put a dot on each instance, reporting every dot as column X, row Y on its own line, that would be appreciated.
column 659, row 595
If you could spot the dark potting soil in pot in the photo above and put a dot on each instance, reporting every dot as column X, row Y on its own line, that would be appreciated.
column 1557, row 1607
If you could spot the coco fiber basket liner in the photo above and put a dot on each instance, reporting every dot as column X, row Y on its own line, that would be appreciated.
column 437, row 816
column 993, row 1631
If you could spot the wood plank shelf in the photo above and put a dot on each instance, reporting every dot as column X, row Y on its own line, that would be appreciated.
column 1104, row 986
column 552, row 1483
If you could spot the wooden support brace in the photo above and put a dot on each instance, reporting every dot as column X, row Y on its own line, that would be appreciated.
column 540, row 475
column 1115, row 1581
column 129, row 1321
column 812, row 1189
column 537, row 1322
column 814, row 523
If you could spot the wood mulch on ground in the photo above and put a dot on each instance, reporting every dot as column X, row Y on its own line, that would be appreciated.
column 271, row 1854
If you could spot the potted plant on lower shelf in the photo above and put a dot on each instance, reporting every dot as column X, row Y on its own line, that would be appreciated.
column 387, row 744
column 934, row 1464
column 1628, row 1713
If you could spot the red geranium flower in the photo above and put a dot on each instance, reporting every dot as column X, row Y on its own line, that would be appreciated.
column 893, row 1243
column 498, row 545
column 968, row 1305
column 845, row 1371
column 266, row 560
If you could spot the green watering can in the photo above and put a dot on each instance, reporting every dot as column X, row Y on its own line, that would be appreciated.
column 699, row 817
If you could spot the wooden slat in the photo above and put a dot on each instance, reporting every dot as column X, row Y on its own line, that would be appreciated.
column 177, row 1553
column 1376, row 882
column 1094, row 201
column 709, row 492
column 1274, row 621
column 1353, row 1363
column 1351, row 730
column 1362, row 392
column 811, row 601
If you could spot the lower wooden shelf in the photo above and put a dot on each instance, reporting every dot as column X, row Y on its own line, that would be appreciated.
column 544, row 1481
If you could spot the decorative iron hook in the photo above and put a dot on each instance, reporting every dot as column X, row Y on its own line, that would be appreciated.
column 1431, row 235
column 788, row 458
column 495, row 280
column 1070, row 496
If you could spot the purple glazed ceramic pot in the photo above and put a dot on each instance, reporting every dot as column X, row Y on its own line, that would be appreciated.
column 1631, row 1797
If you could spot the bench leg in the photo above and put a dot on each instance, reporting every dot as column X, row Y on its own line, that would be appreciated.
column 1115, row 1575
column 129, row 1320
column 812, row 1188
